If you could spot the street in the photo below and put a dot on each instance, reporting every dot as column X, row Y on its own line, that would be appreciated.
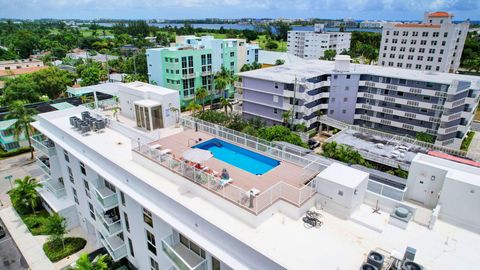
column 10, row 256
column 18, row 167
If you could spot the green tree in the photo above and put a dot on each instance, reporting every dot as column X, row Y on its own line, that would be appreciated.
column 20, row 88
column 249, row 35
column 279, row 62
column 91, row 73
column 56, row 227
column 286, row 117
column 271, row 45
column 281, row 29
column 369, row 53
column 99, row 263
column 135, row 77
column 53, row 81
column 329, row 55
column 24, row 195
column 201, row 94
column 24, row 117
column 193, row 107
column 245, row 67
column 220, row 85
column 225, row 104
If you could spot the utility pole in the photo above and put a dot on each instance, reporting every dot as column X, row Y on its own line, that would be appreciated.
column 295, row 85
column 134, row 64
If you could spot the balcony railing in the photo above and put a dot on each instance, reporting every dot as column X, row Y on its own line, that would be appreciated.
column 182, row 257
column 110, row 227
column 45, row 168
column 106, row 198
column 44, row 144
column 115, row 246
column 57, row 188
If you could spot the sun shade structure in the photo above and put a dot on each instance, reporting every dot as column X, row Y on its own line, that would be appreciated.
column 197, row 155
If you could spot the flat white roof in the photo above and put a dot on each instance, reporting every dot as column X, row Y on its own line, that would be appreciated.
column 343, row 175
column 147, row 103
column 456, row 171
column 312, row 68
column 338, row 244
column 146, row 87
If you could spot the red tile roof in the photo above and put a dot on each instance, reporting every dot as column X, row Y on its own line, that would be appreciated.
column 439, row 14
column 454, row 158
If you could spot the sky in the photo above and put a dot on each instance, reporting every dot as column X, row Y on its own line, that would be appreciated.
column 197, row 9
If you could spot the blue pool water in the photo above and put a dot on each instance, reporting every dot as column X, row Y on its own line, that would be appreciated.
column 239, row 157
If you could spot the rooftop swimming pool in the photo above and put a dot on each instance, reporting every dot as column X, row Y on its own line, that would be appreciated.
column 242, row 158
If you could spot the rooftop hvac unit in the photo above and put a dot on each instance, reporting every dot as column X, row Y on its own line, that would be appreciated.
column 409, row 265
column 367, row 266
column 376, row 259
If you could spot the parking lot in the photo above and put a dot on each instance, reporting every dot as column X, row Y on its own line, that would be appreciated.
column 10, row 256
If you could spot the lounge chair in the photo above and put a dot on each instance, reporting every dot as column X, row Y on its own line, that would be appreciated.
column 224, row 182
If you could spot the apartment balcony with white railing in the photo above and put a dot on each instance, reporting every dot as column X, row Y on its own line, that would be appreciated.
column 181, row 257
column 189, row 75
column 400, row 100
column 110, row 225
column 115, row 246
column 106, row 198
column 400, row 113
column 43, row 144
column 44, row 163
column 405, row 89
column 55, row 187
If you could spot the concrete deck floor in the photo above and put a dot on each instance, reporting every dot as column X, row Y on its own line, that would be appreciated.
column 286, row 171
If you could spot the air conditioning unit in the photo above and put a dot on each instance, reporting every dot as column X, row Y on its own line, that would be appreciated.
column 367, row 266
column 376, row 259
column 409, row 265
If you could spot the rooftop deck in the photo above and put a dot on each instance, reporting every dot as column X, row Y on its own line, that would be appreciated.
column 285, row 172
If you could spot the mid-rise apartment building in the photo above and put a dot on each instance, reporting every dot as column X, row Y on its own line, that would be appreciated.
column 395, row 100
column 313, row 44
column 133, row 192
column 435, row 44
column 192, row 62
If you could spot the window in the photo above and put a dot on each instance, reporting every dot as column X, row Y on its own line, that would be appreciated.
column 423, row 42
column 70, row 175
column 414, row 34
column 331, row 112
column 345, row 99
column 153, row 264
column 411, row 50
column 445, row 34
column 347, row 88
column 348, row 76
column 82, row 168
column 420, row 58
column 151, row 242
column 340, row 193
column 425, row 34
column 191, row 245
column 335, row 76
column 431, row 51
column 410, row 57
column 344, row 111
column 147, row 217
column 75, row 197
column 435, row 34
column 276, row 85
column 399, row 65
column 428, row 67
column 87, row 188
column 130, row 247
column 421, row 50
column 400, row 94
column 413, row 42
column 92, row 212
column 122, row 198
column 418, row 66
column 232, row 54
column 65, row 155
column 275, row 111
column 127, row 224
column 430, row 59
column 433, row 42
column 215, row 264
column 409, row 65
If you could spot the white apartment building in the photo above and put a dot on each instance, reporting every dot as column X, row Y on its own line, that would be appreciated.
column 127, row 187
column 312, row 44
column 372, row 24
column 435, row 44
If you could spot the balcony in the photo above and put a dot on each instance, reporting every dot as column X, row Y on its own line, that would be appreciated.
column 44, row 145
column 115, row 246
column 182, row 257
column 106, row 198
column 56, row 187
column 206, row 73
column 44, row 163
column 189, row 75
column 109, row 222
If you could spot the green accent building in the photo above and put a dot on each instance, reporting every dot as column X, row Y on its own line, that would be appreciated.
column 191, row 65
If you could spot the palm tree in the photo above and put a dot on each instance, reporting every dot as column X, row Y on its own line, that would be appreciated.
column 319, row 120
column 286, row 116
column 193, row 106
column 201, row 94
column 220, row 85
column 25, row 192
column 116, row 111
column 225, row 103
column 24, row 117
column 83, row 263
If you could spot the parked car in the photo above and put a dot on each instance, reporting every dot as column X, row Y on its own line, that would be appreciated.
column 312, row 144
column 2, row 232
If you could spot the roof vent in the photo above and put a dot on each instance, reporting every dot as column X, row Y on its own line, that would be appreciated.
column 342, row 63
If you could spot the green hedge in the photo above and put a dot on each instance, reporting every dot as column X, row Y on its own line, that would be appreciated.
column 55, row 251
column 467, row 141
column 15, row 152
column 37, row 223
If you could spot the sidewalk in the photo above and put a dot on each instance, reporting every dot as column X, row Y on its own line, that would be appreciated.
column 30, row 249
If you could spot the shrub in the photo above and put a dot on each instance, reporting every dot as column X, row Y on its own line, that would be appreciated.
column 424, row 137
column 467, row 141
column 15, row 152
column 55, row 251
column 36, row 223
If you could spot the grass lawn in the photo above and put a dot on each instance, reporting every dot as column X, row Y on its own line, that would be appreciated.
column 466, row 142
column 36, row 223
column 262, row 40
column 89, row 33
column 215, row 35
column 55, row 251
